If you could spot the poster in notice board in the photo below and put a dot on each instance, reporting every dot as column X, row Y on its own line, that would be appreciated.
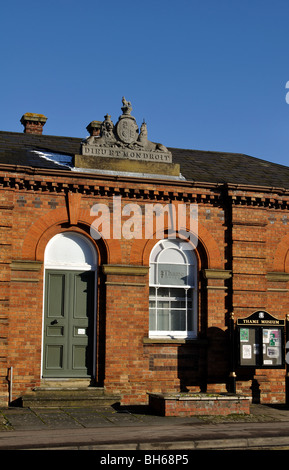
column 249, row 347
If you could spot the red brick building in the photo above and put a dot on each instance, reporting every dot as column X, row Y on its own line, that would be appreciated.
column 135, row 314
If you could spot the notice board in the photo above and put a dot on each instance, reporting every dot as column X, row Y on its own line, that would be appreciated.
column 260, row 339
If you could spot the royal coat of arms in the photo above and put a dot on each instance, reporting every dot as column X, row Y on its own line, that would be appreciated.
column 125, row 140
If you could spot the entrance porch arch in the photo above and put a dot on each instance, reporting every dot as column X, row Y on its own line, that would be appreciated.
column 69, row 307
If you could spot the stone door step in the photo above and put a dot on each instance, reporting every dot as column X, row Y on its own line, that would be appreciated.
column 68, row 396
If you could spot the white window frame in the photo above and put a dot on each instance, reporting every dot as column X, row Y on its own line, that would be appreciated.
column 160, row 255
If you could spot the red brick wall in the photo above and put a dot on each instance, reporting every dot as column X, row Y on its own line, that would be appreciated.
column 199, row 406
column 240, row 232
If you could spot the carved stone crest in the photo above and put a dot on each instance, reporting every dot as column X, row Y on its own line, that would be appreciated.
column 127, row 131
column 124, row 140
column 127, row 128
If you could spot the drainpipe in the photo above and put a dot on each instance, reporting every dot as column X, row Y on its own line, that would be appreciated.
column 232, row 375
column 10, row 383
column 287, row 361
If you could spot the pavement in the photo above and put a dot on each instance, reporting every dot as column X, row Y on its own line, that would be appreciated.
column 137, row 429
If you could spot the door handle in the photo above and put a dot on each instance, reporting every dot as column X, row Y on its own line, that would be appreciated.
column 54, row 322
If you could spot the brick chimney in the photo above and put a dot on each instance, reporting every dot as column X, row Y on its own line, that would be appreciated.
column 94, row 128
column 33, row 123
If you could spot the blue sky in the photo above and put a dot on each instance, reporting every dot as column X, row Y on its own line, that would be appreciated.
column 204, row 74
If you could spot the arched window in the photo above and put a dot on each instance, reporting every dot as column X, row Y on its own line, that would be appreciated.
column 173, row 290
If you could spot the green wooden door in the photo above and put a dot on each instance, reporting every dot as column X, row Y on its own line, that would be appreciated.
column 68, row 324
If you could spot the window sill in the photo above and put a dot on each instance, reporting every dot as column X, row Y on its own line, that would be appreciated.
column 174, row 341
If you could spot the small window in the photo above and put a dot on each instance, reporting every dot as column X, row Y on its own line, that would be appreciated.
column 172, row 296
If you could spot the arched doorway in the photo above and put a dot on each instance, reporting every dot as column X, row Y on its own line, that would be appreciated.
column 70, row 263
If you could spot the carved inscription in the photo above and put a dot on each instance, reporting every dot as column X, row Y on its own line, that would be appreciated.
column 127, row 153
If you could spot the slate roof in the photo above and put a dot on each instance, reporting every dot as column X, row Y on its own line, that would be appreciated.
column 16, row 148
column 196, row 165
column 236, row 168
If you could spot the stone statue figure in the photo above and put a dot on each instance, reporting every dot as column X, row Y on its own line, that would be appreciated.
column 107, row 136
column 107, row 127
column 143, row 141
column 126, row 108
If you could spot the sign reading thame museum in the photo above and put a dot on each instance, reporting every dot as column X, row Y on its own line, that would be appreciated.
column 262, row 318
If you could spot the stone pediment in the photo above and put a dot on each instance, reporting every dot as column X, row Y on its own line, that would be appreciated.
column 125, row 140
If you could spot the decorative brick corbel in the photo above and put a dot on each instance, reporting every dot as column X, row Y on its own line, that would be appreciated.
column 73, row 202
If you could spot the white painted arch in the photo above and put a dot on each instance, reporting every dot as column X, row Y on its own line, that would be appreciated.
column 70, row 250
